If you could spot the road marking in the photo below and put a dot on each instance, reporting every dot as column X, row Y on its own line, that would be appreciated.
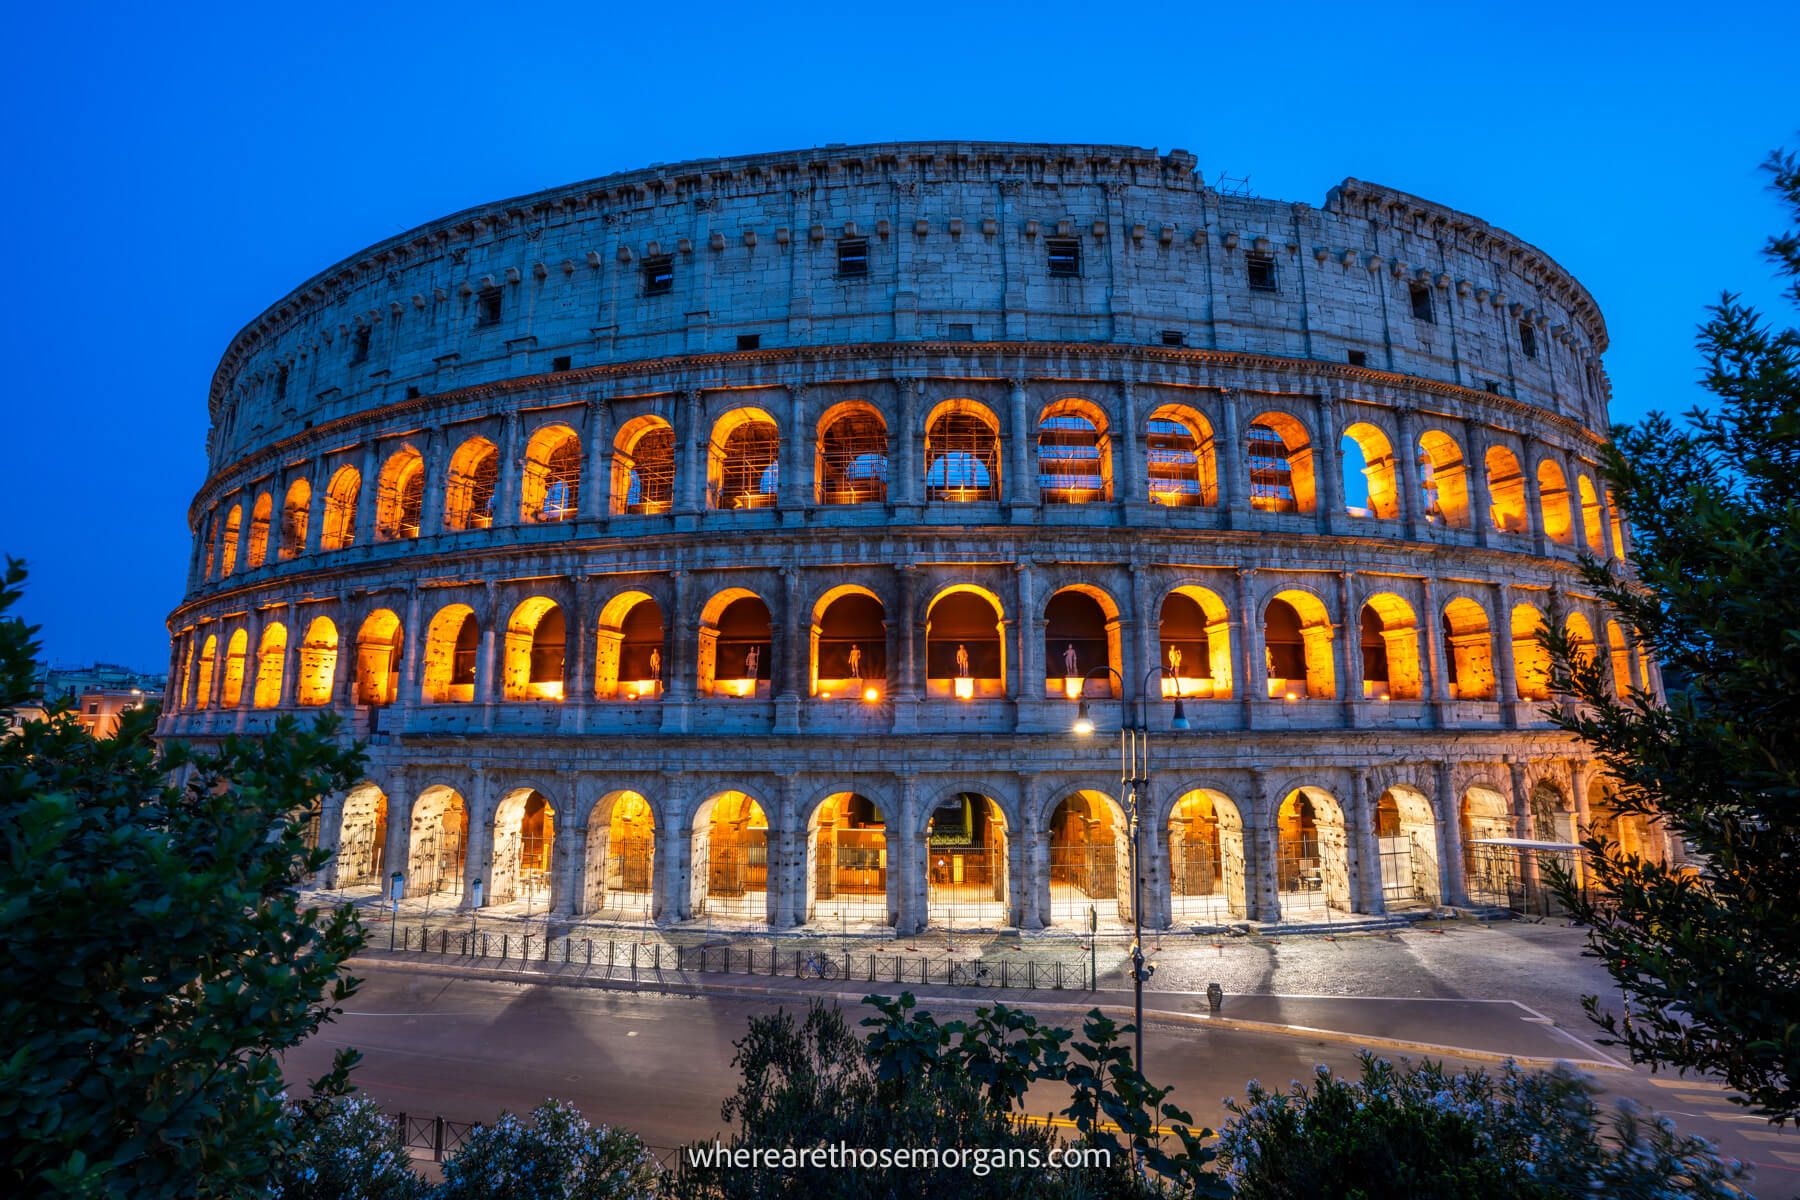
column 1757, row 1135
column 1653, row 1081
column 1785, row 1157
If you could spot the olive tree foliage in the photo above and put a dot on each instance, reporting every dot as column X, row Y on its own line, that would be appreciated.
column 1707, row 954
column 154, row 957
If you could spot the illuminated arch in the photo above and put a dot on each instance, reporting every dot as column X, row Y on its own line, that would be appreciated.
column 318, row 663
column 850, row 462
column 643, row 480
column 1593, row 517
column 1074, row 453
column 360, row 859
column 469, row 491
column 1297, row 647
column 438, row 842
column 632, row 650
column 260, row 513
column 1531, row 660
column 849, row 644
column 967, row 844
column 1470, row 650
column 1204, row 844
column 1619, row 656
column 1406, row 848
column 228, row 545
column 536, row 638
column 1180, row 460
column 1506, row 492
column 1194, row 640
column 271, row 657
column 524, row 858
column 1368, row 452
column 1389, row 633
column 1081, row 625
column 619, row 874
column 962, row 452
column 340, row 510
column 847, row 868
column 1281, row 464
column 1090, row 859
column 203, row 672
column 231, row 687
column 730, row 864
column 295, row 512
column 378, row 650
column 400, row 495
column 1553, row 495
column 550, row 489
column 1444, row 479
column 1312, row 853
column 452, row 646
column 1581, row 636
column 736, row 644
column 965, row 644
column 743, row 460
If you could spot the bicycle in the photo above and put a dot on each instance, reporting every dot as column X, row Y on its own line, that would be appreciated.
column 818, row 966
column 967, row 974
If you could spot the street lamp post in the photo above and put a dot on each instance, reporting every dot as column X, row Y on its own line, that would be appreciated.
column 1134, row 778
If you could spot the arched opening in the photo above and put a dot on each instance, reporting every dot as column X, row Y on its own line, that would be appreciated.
column 1194, row 635
column 1618, row 526
column 849, row 646
column 1531, row 659
column 536, row 637
column 1492, row 871
column 294, row 515
column 1506, row 492
column 847, row 863
column 851, row 463
column 1581, row 635
column 1406, row 842
column 209, row 529
column 203, row 672
column 629, row 656
column 962, row 453
column 452, row 643
column 731, row 858
column 1281, row 465
column 1552, row 817
column 1593, row 530
column 340, row 510
column 400, row 495
column 271, row 653
column 965, row 655
column 743, row 461
column 439, row 838
column 1312, row 854
column 1297, row 647
column 1371, row 482
column 1074, row 454
column 524, row 850
column 1390, row 650
column 1206, row 858
column 619, row 877
column 1090, row 861
column 260, row 515
column 1081, row 634
column 378, row 659
column 362, row 842
column 1444, row 480
column 1633, row 834
column 966, row 863
column 1618, row 655
column 644, row 467
column 231, row 688
column 1553, row 494
column 1469, row 649
column 318, row 663
column 1180, row 465
column 735, row 644
column 469, row 492
column 228, row 549
column 551, row 487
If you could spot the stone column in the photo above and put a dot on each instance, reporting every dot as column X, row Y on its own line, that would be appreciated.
column 367, row 493
column 1505, row 666
column 1028, row 681
column 315, row 511
column 1021, row 489
column 290, row 655
column 578, row 652
column 794, row 644
column 903, row 440
column 671, row 847
column 795, row 490
column 1146, row 639
column 1233, row 462
column 1253, row 672
column 679, row 666
column 596, row 475
column 1412, row 490
column 907, row 683
column 1328, row 467
column 1366, row 846
column 906, row 860
column 1261, row 899
column 487, row 690
column 1534, row 495
column 437, row 451
column 508, row 499
column 478, row 853
column 566, row 890
column 412, row 654
column 690, row 441
column 1032, row 847
column 1351, row 624
column 1129, row 487
column 1452, row 870
column 1521, row 813
column 1436, row 676
column 1481, row 500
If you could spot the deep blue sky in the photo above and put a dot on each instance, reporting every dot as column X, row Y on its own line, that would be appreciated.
column 172, row 169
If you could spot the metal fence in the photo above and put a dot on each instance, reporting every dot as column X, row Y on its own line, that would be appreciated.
column 1518, row 877
column 609, row 959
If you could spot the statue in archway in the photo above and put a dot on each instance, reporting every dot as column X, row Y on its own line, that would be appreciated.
column 855, row 662
column 962, row 661
column 655, row 665
column 1175, row 660
column 752, row 660
column 1071, row 664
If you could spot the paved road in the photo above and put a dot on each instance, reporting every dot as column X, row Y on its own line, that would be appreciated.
column 438, row 1043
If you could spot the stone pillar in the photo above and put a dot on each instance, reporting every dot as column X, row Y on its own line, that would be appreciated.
column 906, row 860
column 1453, row 872
column 1328, row 467
column 1021, row 489
column 1481, row 500
column 478, row 853
column 671, row 849
column 1534, row 495
column 508, row 497
column 1146, row 637
column 596, row 473
column 1366, row 847
column 690, row 441
column 1253, row 671
column 1352, row 668
column 487, row 690
column 679, row 666
column 795, row 491
column 578, row 653
column 1436, row 675
column 1029, row 671
column 1129, row 487
column 1261, row 898
column 1412, row 490
column 795, row 643
column 904, row 477
column 368, row 491
column 1233, row 462
column 566, row 890
column 1032, row 848
column 412, row 654
column 315, row 512
column 1521, row 814
column 435, row 450
column 907, row 684
column 290, row 655
column 787, row 857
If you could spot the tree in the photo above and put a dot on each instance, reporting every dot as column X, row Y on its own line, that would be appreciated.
column 1707, row 955
column 155, row 958
column 558, row 1156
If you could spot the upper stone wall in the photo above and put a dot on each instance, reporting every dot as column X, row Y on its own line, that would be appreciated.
column 957, row 238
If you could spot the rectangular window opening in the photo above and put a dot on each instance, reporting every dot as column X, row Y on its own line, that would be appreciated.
column 853, row 256
column 412, row 391
column 1421, row 303
column 749, row 341
column 962, row 333
column 1174, row 337
column 1358, row 358
column 659, row 275
column 1527, row 339
column 561, row 363
column 1493, row 385
column 1262, row 272
column 488, row 307
column 359, row 349
column 1065, row 257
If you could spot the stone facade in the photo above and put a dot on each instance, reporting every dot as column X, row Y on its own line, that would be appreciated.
column 791, row 504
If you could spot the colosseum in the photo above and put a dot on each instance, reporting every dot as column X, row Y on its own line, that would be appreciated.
column 749, row 539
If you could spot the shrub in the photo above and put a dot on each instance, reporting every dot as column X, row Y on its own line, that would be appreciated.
column 1429, row 1134
column 558, row 1156
column 345, row 1149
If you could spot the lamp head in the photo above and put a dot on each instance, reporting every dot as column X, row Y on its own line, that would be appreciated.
column 1180, row 721
column 1084, row 724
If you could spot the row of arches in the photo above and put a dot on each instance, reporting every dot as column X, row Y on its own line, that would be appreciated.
column 626, row 653
column 961, row 859
column 962, row 462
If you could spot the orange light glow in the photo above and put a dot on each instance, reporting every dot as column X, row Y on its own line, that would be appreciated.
column 745, row 687
column 824, row 695
column 965, row 689
column 1072, row 686
column 1293, row 695
column 871, row 694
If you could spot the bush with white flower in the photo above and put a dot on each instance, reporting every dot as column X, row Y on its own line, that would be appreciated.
column 1420, row 1131
column 558, row 1155
column 345, row 1149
